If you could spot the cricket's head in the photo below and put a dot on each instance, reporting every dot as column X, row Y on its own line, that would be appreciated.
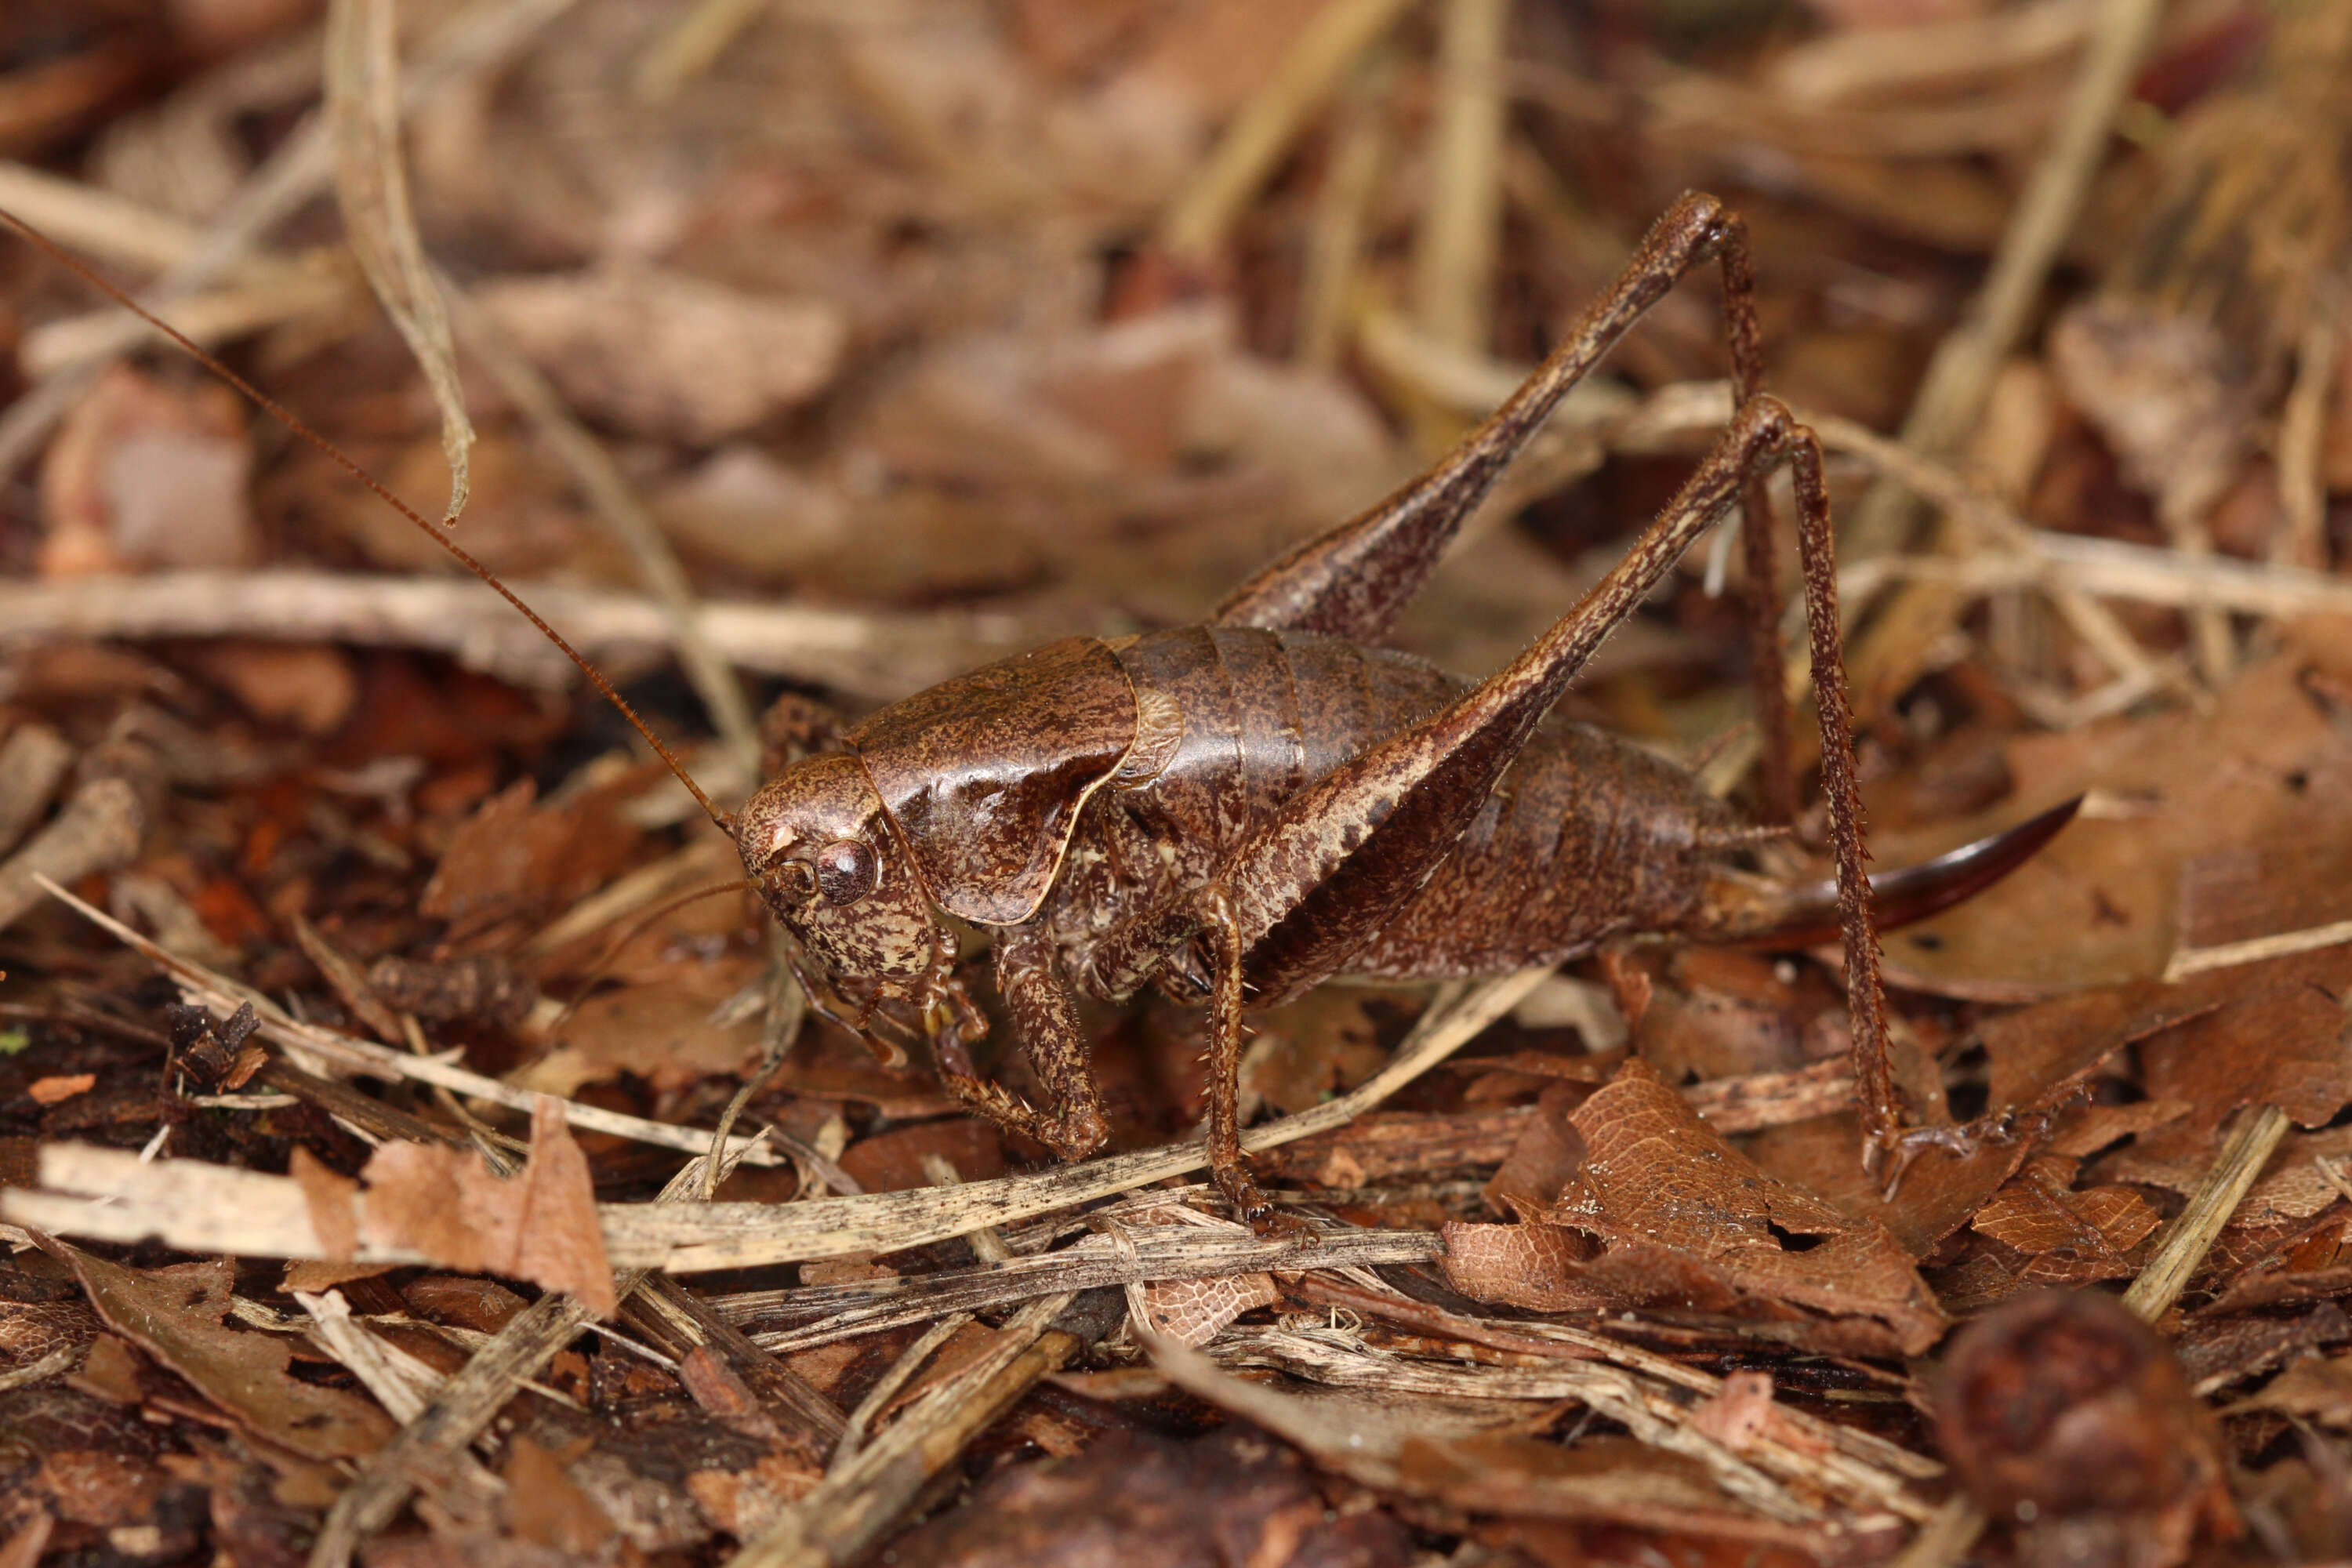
column 824, row 856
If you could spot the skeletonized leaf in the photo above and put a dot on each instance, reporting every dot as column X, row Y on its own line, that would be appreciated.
column 363, row 94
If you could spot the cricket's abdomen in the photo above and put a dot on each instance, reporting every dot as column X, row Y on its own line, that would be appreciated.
column 1586, row 836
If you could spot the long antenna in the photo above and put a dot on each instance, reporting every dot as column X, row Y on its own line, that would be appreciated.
column 285, row 416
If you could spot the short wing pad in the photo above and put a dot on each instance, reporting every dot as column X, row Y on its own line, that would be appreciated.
column 985, row 774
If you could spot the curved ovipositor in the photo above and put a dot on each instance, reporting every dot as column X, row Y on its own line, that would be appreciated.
column 1750, row 912
column 984, row 776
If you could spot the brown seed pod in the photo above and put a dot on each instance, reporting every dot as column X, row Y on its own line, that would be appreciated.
column 2065, row 1412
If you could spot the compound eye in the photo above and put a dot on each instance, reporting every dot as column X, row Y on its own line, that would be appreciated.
column 846, row 871
column 796, row 880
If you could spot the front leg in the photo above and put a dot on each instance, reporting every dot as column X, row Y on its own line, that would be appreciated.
column 1045, row 1017
column 1226, row 1033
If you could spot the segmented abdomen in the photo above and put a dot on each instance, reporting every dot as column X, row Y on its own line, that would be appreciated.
column 1585, row 835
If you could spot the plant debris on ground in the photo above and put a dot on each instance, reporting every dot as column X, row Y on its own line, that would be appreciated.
column 412, row 1147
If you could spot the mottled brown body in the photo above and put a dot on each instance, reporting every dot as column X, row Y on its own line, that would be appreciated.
column 1241, row 809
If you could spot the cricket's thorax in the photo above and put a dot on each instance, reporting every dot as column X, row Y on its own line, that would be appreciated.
column 1233, row 721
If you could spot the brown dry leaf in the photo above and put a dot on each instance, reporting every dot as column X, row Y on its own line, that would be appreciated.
column 1721, row 1015
column 742, row 509
column 1393, row 1144
column 1672, row 1200
column 2285, row 1045
column 1193, row 1311
column 744, row 1499
column 175, row 1314
column 2067, row 1237
column 2168, row 392
column 1734, row 1414
column 892, row 1162
column 333, row 1199
column 143, row 473
column 309, row 688
column 2294, row 1185
column 2265, row 889
column 1060, row 414
column 515, row 859
column 1074, row 37
column 2218, row 1352
column 544, row 1507
column 525, row 519
column 480, row 986
column 664, row 354
column 2318, row 1388
column 1548, row 1153
column 57, row 1090
column 1320, row 1045
column 2281, row 1040
column 2036, row 1053
column 32, row 1330
column 2039, row 1058
column 661, row 1030
column 1151, row 460
column 2097, row 906
column 540, row 1225
column 1530, row 1264
column 483, row 1306
column 2310, row 1268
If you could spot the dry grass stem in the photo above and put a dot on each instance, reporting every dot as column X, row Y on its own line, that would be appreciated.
column 33, row 763
column 694, row 1237
column 1453, row 248
column 1343, row 204
column 214, row 316
column 625, row 516
column 874, row 656
column 886, row 1388
column 1951, row 395
column 99, row 829
column 1148, row 1254
column 2252, row 1139
column 480, row 37
column 432, row 1444
column 363, row 110
column 1945, row 1540
column 1759, row 1478
column 430, row 1448
column 2187, row 961
column 2302, row 487
column 693, row 46
column 1196, row 221
column 224, row 996
column 1885, row 63
column 852, row 1506
column 87, row 218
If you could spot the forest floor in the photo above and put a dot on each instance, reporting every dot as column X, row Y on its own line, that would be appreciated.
column 374, row 999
